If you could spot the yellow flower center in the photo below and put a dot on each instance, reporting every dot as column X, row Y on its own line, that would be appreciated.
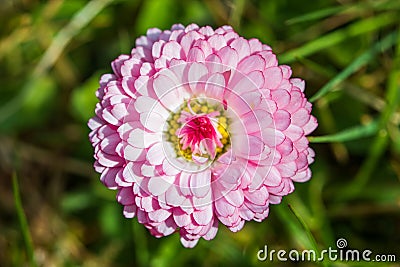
column 194, row 121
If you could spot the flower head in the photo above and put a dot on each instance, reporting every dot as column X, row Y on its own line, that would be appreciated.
column 198, row 127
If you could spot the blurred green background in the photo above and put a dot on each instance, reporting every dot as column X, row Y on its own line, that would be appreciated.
column 52, row 54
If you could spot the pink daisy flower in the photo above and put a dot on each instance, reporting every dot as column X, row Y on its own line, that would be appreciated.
column 198, row 127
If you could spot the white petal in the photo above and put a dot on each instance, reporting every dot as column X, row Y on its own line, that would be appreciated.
column 212, row 232
column 132, row 153
column 173, row 197
column 235, row 197
column 215, row 86
column 158, row 185
column 172, row 49
column 197, row 73
column 199, row 160
column 181, row 218
column 203, row 217
column 147, row 170
column 272, row 137
column 273, row 77
column 159, row 215
column 141, row 139
column 166, row 90
column 155, row 155
column 247, row 145
column 202, row 203
column 166, row 228
column 169, row 169
column 184, row 184
column 152, row 121
column 144, row 104
column 224, row 208
column 243, row 85
column 273, row 178
column 241, row 46
column 130, row 211
column 129, row 174
column 200, row 183
column 189, row 243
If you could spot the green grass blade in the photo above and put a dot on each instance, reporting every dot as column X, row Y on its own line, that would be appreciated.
column 299, row 230
column 381, row 141
column 294, row 229
column 355, row 29
column 237, row 12
column 305, row 227
column 359, row 62
column 358, row 8
column 53, row 52
column 319, row 14
column 65, row 35
column 349, row 134
column 23, row 222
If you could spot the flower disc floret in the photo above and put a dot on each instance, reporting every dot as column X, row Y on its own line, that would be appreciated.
column 198, row 132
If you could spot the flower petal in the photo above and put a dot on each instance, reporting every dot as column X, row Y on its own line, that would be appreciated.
column 155, row 155
column 273, row 77
column 152, row 121
column 197, row 73
column 215, row 86
column 203, row 217
column 142, row 139
column 166, row 91
column 200, row 183
column 158, row 185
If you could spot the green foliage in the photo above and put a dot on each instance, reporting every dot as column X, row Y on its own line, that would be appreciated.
column 83, row 98
column 30, row 107
column 52, row 54
column 22, row 221
column 155, row 13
